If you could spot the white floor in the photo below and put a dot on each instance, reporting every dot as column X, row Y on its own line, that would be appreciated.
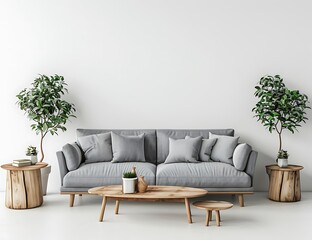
column 260, row 219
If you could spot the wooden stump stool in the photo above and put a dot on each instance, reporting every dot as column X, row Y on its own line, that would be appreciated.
column 210, row 206
column 284, row 184
column 23, row 186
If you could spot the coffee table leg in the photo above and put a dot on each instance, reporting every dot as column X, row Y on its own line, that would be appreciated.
column 208, row 217
column 102, row 209
column 218, row 217
column 117, row 207
column 188, row 210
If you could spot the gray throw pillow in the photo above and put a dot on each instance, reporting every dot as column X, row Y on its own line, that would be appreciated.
column 97, row 147
column 73, row 156
column 184, row 150
column 206, row 148
column 128, row 148
column 224, row 148
column 241, row 155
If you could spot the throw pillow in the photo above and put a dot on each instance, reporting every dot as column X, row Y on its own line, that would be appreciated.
column 224, row 148
column 73, row 156
column 240, row 156
column 97, row 147
column 184, row 150
column 206, row 148
column 128, row 148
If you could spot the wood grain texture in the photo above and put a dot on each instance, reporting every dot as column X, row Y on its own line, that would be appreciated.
column 71, row 200
column 153, row 192
column 36, row 166
column 23, row 188
column 284, row 183
column 213, row 205
column 210, row 206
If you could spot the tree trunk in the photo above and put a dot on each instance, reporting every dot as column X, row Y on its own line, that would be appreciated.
column 41, row 147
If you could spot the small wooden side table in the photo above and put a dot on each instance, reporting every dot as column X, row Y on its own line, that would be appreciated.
column 284, row 184
column 23, row 186
column 210, row 206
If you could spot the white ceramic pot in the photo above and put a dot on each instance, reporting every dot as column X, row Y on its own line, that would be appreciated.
column 282, row 162
column 33, row 159
column 128, row 185
column 44, row 178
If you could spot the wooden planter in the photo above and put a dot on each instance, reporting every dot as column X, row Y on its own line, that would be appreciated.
column 284, row 184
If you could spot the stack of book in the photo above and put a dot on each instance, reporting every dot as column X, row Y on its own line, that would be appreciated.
column 21, row 163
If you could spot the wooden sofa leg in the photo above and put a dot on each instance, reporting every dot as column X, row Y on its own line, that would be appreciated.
column 241, row 200
column 71, row 200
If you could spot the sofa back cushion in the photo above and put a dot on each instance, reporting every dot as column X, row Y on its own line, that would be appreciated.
column 149, row 138
column 163, row 136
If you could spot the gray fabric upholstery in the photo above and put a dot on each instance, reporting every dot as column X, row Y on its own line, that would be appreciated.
column 184, row 150
column 149, row 138
column 241, row 155
column 107, row 173
column 96, row 147
column 62, row 165
column 128, row 148
column 224, row 148
column 202, row 175
column 213, row 176
column 164, row 134
column 73, row 156
column 251, row 164
column 205, row 149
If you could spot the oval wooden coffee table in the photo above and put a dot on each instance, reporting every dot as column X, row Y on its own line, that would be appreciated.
column 153, row 193
column 210, row 206
column 23, row 186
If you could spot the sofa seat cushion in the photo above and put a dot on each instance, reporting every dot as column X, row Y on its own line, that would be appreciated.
column 202, row 175
column 107, row 173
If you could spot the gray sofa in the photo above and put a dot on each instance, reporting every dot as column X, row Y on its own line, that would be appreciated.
column 216, row 177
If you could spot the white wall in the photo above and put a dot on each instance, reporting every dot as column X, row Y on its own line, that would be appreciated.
column 156, row 64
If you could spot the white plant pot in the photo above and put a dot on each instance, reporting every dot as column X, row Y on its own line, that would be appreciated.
column 282, row 162
column 33, row 159
column 128, row 185
column 44, row 178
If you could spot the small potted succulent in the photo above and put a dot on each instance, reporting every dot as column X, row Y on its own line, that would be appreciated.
column 32, row 152
column 129, row 182
column 282, row 158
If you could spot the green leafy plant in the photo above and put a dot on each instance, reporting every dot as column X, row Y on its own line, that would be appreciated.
column 279, row 108
column 31, row 151
column 129, row 175
column 43, row 104
column 282, row 154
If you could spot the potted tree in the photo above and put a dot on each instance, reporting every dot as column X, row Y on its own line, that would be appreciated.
column 279, row 109
column 32, row 152
column 44, row 105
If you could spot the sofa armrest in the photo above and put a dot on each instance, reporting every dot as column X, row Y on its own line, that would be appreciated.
column 62, row 165
column 251, row 164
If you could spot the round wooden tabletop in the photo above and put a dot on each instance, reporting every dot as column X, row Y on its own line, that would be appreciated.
column 213, row 205
column 36, row 166
column 153, row 192
column 289, row 168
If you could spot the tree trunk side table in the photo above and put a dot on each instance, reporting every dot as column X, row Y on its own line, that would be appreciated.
column 23, row 186
column 284, row 184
